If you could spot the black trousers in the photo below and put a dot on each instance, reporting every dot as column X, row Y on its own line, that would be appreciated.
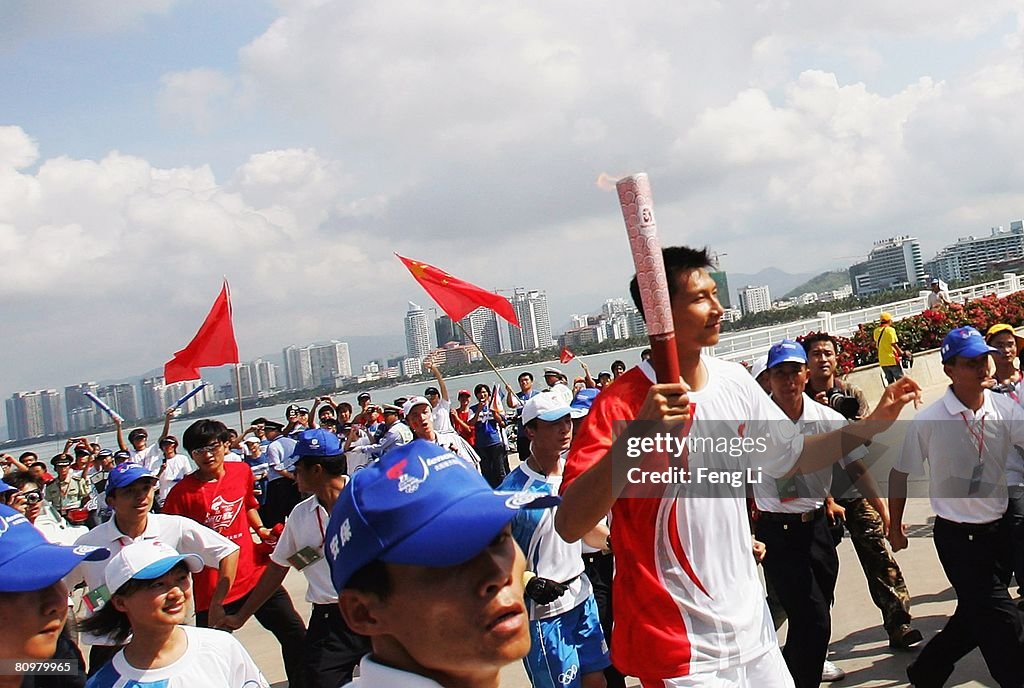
column 278, row 616
column 802, row 566
column 493, row 463
column 599, row 568
column 975, row 559
column 332, row 649
column 282, row 496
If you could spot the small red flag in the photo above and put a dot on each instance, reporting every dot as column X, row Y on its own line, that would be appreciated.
column 457, row 297
column 566, row 355
column 213, row 345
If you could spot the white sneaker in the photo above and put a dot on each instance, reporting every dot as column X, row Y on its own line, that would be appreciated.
column 830, row 672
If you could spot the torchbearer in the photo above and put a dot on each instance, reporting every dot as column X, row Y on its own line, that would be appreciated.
column 692, row 607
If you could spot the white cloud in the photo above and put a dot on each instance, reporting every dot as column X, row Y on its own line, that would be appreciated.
column 194, row 97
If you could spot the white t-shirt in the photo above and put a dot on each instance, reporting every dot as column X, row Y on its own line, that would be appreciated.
column 810, row 489
column 305, row 527
column 966, row 454
column 151, row 457
column 181, row 533
column 214, row 659
column 175, row 468
column 442, row 417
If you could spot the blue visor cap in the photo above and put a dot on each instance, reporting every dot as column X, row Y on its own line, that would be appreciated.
column 418, row 505
column 966, row 342
column 4, row 487
column 786, row 351
column 28, row 561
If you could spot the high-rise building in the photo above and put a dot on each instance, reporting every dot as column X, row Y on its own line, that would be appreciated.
column 446, row 331
column 972, row 255
column 122, row 398
column 78, row 404
column 298, row 369
column 893, row 263
column 157, row 396
column 266, row 375
column 417, row 336
column 329, row 361
column 35, row 414
column 482, row 326
column 755, row 299
column 534, row 332
column 247, row 380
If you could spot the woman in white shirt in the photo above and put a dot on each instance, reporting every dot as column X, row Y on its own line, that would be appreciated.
column 151, row 589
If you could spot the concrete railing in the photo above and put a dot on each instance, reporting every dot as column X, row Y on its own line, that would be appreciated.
column 747, row 345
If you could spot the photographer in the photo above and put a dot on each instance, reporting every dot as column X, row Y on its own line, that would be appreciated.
column 867, row 521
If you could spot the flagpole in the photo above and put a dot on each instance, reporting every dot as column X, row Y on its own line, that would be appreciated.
column 482, row 352
column 238, row 387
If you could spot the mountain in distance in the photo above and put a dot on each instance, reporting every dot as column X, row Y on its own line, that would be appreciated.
column 826, row 281
column 778, row 281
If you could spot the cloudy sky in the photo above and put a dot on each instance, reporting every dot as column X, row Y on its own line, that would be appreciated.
column 149, row 147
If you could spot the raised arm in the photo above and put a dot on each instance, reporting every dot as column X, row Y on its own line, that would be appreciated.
column 429, row 364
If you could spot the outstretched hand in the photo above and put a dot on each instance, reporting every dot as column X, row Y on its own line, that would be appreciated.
column 894, row 398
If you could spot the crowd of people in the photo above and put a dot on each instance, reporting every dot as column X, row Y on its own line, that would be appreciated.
column 430, row 560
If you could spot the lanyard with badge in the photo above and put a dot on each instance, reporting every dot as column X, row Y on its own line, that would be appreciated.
column 977, row 432
column 309, row 554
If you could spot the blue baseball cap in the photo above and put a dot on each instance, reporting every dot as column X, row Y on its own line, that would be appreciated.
column 418, row 505
column 28, row 561
column 786, row 351
column 124, row 474
column 4, row 487
column 582, row 402
column 317, row 443
column 964, row 341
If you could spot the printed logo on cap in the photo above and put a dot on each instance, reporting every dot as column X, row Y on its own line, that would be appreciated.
column 408, row 483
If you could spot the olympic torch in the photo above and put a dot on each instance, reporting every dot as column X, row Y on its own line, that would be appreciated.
column 642, row 230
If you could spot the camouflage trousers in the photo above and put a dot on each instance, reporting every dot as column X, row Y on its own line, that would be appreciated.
column 885, row 580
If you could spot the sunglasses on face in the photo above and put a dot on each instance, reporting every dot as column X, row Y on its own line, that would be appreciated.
column 208, row 449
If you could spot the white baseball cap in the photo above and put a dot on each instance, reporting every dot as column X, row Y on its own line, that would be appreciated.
column 547, row 406
column 146, row 560
column 252, row 440
column 413, row 402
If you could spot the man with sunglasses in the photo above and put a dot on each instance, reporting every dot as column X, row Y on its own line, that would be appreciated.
column 220, row 496
column 130, row 490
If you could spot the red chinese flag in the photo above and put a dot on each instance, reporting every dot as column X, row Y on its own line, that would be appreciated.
column 213, row 345
column 566, row 355
column 456, row 297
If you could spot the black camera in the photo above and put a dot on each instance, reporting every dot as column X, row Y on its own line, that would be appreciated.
column 842, row 403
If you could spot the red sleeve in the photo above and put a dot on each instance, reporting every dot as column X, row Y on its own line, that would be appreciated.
column 176, row 500
column 612, row 407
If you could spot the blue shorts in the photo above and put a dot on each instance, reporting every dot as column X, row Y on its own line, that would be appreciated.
column 564, row 647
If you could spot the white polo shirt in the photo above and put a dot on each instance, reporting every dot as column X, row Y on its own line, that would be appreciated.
column 966, row 454
column 305, row 527
column 374, row 675
column 809, row 489
column 181, row 533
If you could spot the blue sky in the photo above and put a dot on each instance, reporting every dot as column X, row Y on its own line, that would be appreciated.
column 148, row 148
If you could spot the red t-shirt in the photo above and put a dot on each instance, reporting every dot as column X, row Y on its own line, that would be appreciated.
column 221, row 505
column 686, row 592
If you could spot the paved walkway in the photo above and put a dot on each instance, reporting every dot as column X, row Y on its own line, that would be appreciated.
column 859, row 643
